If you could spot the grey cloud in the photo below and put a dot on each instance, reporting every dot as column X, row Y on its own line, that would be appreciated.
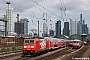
column 77, row 6
column 2, row 5
column 21, row 5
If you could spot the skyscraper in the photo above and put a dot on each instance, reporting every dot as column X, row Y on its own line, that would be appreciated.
column 45, row 29
column 58, row 28
column 9, row 17
column 25, row 21
column 19, row 27
column 66, row 29
column 51, row 33
column 81, row 18
column 73, row 27
column 82, row 27
column 79, row 28
column 85, row 29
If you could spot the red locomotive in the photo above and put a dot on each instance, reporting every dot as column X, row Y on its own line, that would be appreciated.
column 32, row 46
column 76, row 43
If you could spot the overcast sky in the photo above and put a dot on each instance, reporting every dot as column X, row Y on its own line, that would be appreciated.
column 35, row 10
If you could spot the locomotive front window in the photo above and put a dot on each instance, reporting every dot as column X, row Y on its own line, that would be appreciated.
column 29, row 41
column 76, row 42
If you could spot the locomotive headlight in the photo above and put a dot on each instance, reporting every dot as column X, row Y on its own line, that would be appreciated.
column 85, row 42
column 25, row 46
column 32, row 46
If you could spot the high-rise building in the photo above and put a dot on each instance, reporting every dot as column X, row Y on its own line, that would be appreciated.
column 66, row 29
column 51, row 33
column 45, row 29
column 85, row 29
column 73, row 27
column 81, row 18
column 9, row 18
column 25, row 21
column 19, row 27
column 82, row 27
column 58, row 28
column 79, row 28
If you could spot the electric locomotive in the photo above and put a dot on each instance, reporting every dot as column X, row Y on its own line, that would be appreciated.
column 33, row 46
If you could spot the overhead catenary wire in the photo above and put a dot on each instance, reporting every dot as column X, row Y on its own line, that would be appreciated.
column 43, row 13
column 64, row 9
column 43, row 8
column 35, row 7
column 41, row 2
column 33, row 12
column 46, row 9
column 39, row 8
column 57, row 5
column 19, row 8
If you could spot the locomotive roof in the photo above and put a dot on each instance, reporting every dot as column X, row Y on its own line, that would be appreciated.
column 41, row 39
column 76, row 40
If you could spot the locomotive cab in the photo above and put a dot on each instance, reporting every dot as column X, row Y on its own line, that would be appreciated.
column 29, row 46
column 77, row 43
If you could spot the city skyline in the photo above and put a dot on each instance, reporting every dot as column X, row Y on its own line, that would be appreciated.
column 34, row 12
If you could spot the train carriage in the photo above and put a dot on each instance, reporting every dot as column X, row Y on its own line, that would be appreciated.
column 51, row 43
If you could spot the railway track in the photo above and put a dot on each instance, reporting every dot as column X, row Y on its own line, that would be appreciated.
column 2, row 53
column 28, row 57
column 76, row 54
column 47, row 56
column 57, row 54
column 5, row 55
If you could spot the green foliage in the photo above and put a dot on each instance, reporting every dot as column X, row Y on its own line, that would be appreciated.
column 19, row 48
column 13, row 47
column 7, row 48
column 3, row 48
